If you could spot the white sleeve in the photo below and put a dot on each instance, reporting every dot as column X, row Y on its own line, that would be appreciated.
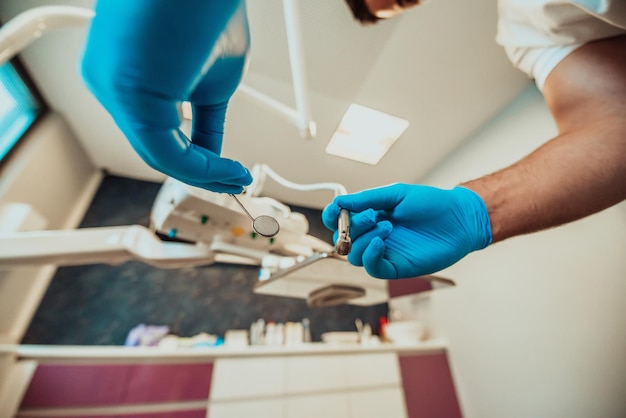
column 538, row 34
column 538, row 62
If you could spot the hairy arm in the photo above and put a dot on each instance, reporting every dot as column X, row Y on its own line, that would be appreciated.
column 583, row 169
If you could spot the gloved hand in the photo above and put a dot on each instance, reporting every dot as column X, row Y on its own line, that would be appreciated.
column 144, row 57
column 403, row 230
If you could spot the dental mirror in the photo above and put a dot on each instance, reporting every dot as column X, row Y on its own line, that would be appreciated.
column 263, row 225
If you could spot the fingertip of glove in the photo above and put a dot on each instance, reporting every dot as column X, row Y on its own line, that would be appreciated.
column 332, row 209
column 246, row 176
column 373, row 260
column 329, row 216
column 386, row 227
column 376, row 247
column 341, row 201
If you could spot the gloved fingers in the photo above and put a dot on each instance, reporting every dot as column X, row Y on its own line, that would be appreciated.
column 219, row 187
column 224, row 176
column 374, row 261
column 210, row 101
column 359, row 222
column 150, row 123
column 330, row 215
column 381, row 230
column 207, row 129
column 171, row 153
column 362, row 222
column 207, row 170
column 382, row 198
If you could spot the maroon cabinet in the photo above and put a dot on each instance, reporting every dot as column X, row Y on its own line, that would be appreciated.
column 82, row 385
column 428, row 386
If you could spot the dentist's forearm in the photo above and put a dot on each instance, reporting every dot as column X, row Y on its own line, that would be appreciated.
column 570, row 177
column 582, row 170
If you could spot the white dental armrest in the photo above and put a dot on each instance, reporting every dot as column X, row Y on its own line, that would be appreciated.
column 108, row 245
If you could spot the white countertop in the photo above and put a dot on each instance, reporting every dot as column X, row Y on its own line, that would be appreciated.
column 120, row 354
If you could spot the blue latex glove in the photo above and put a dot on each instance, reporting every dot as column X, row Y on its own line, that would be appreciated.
column 403, row 230
column 144, row 57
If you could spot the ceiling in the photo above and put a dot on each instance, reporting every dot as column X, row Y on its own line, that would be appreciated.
column 437, row 66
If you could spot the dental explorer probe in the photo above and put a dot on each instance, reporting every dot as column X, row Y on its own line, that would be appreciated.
column 263, row 225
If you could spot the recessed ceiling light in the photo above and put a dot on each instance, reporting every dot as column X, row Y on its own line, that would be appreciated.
column 365, row 134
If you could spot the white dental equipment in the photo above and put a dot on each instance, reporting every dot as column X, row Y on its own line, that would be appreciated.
column 196, row 227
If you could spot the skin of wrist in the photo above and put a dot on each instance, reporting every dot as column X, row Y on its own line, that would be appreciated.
column 493, row 201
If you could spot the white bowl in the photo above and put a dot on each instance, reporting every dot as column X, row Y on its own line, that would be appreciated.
column 340, row 337
column 405, row 332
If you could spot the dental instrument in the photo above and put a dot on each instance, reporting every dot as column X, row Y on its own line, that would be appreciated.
column 263, row 225
column 344, row 242
column 260, row 172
